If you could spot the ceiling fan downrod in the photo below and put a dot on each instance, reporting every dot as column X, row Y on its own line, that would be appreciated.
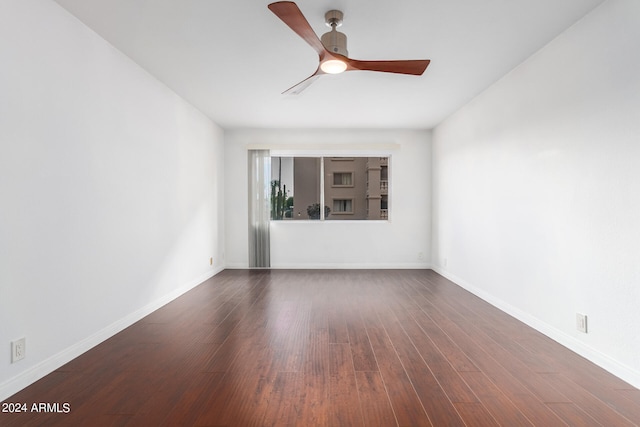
column 334, row 41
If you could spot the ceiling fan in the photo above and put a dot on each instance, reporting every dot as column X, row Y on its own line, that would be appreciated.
column 332, row 47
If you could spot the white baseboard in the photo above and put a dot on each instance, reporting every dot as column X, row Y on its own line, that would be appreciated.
column 604, row 361
column 34, row 373
column 338, row 266
column 352, row 266
column 236, row 266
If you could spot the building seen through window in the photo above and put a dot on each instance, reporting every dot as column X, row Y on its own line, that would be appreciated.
column 347, row 188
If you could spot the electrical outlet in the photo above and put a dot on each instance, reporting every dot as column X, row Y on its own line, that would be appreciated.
column 211, row 261
column 581, row 322
column 420, row 256
column 18, row 350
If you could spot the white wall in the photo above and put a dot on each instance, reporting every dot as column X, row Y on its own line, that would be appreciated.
column 403, row 242
column 537, row 189
column 110, row 190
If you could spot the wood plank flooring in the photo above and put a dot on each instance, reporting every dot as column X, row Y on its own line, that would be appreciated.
column 329, row 348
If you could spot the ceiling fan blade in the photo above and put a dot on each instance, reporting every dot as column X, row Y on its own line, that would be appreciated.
column 414, row 67
column 291, row 15
column 298, row 88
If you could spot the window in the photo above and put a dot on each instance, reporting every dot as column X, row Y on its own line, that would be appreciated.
column 342, row 179
column 342, row 206
column 329, row 188
column 295, row 188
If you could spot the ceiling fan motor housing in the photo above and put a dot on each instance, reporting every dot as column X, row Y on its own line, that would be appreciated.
column 334, row 41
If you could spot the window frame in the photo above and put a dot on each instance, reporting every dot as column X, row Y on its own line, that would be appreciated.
column 334, row 185
column 323, row 155
column 351, row 205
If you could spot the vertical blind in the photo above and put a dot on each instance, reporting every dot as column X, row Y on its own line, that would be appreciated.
column 259, row 208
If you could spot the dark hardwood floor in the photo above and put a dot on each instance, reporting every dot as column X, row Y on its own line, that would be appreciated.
column 329, row 348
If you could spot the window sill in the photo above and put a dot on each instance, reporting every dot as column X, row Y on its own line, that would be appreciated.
column 315, row 221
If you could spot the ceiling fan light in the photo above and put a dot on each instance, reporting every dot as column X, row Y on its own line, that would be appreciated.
column 333, row 66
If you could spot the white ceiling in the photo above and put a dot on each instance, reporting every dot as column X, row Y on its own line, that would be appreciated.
column 232, row 58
